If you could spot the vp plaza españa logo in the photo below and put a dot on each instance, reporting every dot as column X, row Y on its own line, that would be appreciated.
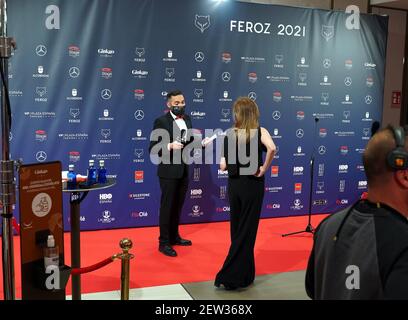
column 41, row 50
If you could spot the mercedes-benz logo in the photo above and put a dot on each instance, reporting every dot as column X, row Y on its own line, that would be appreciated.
column 41, row 156
column 300, row 133
column 252, row 96
column 106, row 94
column 74, row 72
column 41, row 50
column 348, row 81
column 327, row 63
column 368, row 99
column 226, row 76
column 139, row 114
column 322, row 150
column 276, row 115
column 199, row 56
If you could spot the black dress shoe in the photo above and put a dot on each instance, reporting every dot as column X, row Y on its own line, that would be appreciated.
column 182, row 242
column 226, row 286
column 230, row 287
column 167, row 250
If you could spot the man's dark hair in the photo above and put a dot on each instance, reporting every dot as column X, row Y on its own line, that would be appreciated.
column 173, row 94
column 375, row 156
column 375, row 127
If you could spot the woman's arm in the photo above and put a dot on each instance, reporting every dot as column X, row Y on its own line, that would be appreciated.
column 224, row 153
column 267, row 141
column 223, row 164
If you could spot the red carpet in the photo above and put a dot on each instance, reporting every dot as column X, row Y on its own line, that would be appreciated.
column 273, row 254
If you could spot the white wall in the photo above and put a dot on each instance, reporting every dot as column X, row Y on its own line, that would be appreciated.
column 395, row 62
column 322, row 4
column 343, row 4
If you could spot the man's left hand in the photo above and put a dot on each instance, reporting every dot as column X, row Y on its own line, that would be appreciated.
column 206, row 141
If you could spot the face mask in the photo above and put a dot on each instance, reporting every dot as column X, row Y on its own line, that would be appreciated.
column 177, row 111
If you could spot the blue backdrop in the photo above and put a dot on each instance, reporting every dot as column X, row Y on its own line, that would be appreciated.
column 89, row 77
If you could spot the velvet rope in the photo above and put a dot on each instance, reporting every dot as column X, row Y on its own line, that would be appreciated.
column 92, row 267
column 16, row 226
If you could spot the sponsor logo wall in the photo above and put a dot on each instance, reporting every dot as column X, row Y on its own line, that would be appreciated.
column 93, row 93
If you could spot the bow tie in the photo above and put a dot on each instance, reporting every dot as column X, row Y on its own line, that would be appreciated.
column 180, row 117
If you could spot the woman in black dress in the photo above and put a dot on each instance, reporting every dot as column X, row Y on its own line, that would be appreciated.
column 243, row 148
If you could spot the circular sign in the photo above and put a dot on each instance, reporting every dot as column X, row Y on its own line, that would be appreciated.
column 41, row 204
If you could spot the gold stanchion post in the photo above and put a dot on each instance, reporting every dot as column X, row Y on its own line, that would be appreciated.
column 126, row 245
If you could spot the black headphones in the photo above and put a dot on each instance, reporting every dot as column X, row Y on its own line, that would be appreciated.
column 397, row 159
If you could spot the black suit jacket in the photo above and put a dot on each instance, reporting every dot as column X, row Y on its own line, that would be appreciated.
column 171, row 170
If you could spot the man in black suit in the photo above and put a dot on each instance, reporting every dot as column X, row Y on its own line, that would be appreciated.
column 172, row 131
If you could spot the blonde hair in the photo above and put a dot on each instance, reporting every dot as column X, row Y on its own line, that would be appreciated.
column 246, row 116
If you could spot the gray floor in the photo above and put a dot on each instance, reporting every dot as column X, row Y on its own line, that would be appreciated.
column 280, row 286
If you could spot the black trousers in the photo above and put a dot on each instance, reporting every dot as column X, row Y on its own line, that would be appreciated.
column 245, row 196
column 173, row 194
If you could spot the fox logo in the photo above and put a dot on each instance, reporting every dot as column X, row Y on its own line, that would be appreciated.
column 202, row 22
column 327, row 32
